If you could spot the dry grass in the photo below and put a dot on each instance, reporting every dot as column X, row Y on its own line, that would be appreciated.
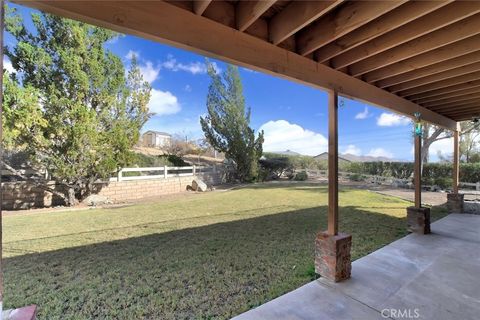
column 209, row 256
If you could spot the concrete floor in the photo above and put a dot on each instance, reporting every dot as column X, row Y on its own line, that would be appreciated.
column 434, row 276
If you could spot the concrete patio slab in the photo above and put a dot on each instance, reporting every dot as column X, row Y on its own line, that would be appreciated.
column 433, row 276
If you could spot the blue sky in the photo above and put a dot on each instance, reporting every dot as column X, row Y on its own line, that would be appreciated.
column 293, row 116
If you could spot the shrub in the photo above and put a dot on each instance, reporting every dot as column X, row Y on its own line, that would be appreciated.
column 274, row 168
column 356, row 177
column 301, row 176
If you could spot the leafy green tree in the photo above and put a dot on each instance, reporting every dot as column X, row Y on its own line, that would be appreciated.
column 226, row 126
column 70, row 104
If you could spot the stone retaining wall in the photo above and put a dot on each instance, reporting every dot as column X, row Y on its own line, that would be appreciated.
column 24, row 195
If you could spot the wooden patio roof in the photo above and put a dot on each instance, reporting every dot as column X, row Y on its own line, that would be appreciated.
column 406, row 56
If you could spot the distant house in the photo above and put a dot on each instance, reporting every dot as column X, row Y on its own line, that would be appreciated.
column 156, row 139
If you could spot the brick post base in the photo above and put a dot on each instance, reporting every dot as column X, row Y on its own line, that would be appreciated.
column 332, row 256
column 455, row 202
column 418, row 220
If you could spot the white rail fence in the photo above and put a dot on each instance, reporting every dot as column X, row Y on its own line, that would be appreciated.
column 164, row 172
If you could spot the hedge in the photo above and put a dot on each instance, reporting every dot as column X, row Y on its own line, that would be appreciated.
column 433, row 173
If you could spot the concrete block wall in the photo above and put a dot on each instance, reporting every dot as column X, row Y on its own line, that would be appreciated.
column 24, row 195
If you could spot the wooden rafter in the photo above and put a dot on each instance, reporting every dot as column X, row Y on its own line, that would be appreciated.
column 431, row 70
column 199, row 6
column 337, row 23
column 249, row 11
column 452, row 100
column 451, row 51
column 441, row 84
column 455, row 32
column 444, row 91
column 436, row 77
column 457, row 105
column 296, row 16
column 388, row 22
column 471, row 88
column 431, row 22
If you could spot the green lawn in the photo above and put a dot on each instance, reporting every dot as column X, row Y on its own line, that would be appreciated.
column 204, row 256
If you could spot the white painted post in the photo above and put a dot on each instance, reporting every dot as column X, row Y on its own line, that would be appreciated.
column 477, row 186
column 194, row 170
column 165, row 172
column 119, row 175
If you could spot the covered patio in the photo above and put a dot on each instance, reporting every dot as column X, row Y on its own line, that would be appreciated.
column 416, row 58
column 424, row 277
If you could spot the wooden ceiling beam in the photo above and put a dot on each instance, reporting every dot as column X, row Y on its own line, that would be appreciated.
column 249, row 11
column 431, row 70
column 431, row 22
column 337, row 23
column 461, row 104
column 166, row 23
column 448, row 52
column 452, row 100
column 440, row 84
column 436, row 77
column 296, row 16
column 199, row 6
column 388, row 22
column 455, row 32
column 444, row 91
column 471, row 110
column 472, row 88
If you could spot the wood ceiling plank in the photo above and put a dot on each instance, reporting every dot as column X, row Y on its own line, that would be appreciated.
column 163, row 22
column 452, row 100
column 440, row 84
column 296, row 16
column 455, row 32
column 247, row 12
column 436, row 20
column 439, row 67
column 468, row 102
column 444, row 91
column 471, row 88
column 388, row 22
column 448, row 52
column 199, row 6
column 436, row 77
column 348, row 17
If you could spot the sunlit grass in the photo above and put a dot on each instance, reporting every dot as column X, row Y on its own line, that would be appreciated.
column 210, row 255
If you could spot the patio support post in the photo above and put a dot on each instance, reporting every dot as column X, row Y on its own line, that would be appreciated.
column 418, row 217
column 2, row 16
column 332, row 249
column 455, row 199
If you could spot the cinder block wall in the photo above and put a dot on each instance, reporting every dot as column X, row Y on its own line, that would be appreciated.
column 24, row 195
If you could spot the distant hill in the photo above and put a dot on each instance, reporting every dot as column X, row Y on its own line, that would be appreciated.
column 353, row 158
column 287, row 153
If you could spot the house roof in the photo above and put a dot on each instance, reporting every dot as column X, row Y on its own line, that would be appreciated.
column 158, row 133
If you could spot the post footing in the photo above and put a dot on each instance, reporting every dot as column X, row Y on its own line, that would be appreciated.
column 418, row 220
column 332, row 256
column 455, row 202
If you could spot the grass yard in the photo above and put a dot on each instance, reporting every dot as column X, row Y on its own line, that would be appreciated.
column 204, row 256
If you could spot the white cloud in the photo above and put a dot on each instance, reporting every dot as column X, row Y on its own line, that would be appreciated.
column 7, row 65
column 193, row 67
column 132, row 54
column 188, row 88
column 149, row 72
column 163, row 103
column 380, row 152
column 352, row 149
column 443, row 147
column 282, row 135
column 363, row 115
column 392, row 120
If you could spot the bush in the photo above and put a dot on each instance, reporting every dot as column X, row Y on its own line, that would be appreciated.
column 356, row 177
column 144, row 161
column 274, row 168
column 301, row 176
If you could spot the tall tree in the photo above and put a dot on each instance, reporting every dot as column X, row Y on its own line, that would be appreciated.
column 227, row 124
column 70, row 104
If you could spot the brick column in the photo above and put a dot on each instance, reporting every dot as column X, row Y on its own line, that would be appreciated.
column 332, row 256
column 455, row 202
column 418, row 220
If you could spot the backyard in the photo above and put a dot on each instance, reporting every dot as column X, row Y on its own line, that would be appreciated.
column 202, row 256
